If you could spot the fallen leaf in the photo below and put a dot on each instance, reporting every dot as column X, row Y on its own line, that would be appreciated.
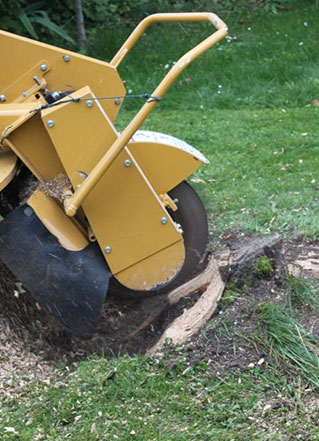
column 198, row 181
column 11, row 430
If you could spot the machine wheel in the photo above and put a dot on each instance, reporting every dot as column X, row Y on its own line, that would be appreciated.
column 191, row 215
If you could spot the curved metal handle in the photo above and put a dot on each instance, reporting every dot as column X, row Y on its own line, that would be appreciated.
column 73, row 203
column 169, row 17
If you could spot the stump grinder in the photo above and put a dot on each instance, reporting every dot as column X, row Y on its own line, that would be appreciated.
column 83, row 208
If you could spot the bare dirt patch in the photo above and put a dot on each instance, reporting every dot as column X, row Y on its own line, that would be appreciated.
column 31, row 342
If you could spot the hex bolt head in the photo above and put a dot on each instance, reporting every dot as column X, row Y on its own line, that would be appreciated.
column 164, row 220
column 2, row 98
column 50, row 123
column 66, row 58
column 89, row 103
column 127, row 163
column 43, row 67
column 107, row 250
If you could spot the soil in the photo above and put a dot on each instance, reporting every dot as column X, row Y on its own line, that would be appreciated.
column 31, row 342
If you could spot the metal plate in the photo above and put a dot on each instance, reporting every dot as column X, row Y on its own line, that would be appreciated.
column 8, row 162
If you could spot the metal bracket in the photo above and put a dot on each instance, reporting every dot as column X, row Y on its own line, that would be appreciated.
column 28, row 84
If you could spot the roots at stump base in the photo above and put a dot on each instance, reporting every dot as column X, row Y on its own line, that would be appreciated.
column 139, row 326
column 193, row 319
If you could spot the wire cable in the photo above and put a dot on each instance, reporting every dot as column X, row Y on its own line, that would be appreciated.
column 146, row 96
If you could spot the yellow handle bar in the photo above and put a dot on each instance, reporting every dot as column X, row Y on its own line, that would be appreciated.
column 156, row 18
column 74, row 202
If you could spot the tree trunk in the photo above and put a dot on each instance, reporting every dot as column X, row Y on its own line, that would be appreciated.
column 81, row 34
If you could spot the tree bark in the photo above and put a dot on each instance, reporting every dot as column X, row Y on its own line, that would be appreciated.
column 80, row 27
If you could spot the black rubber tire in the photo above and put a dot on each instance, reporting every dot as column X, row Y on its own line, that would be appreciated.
column 191, row 215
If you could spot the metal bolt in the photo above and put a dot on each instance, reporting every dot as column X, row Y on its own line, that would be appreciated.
column 28, row 211
column 164, row 220
column 127, row 163
column 50, row 123
column 117, row 101
column 107, row 250
column 43, row 67
column 66, row 58
column 25, row 93
column 89, row 103
column 78, row 186
column 179, row 228
column 2, row 98
column 37, row 80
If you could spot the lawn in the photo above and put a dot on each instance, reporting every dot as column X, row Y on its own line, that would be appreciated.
column 250, row 105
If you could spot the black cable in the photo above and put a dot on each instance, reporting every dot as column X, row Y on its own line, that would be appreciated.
column 146, row 96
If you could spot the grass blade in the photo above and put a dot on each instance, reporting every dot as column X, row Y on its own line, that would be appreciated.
column 287, row 342
column 28, row 25
column 45, row 21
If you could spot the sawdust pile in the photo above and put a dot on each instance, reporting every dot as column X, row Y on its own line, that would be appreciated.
column 20, row 358
column 57, row 187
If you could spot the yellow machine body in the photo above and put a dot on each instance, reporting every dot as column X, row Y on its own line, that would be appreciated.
column 8, row 161
column 39, row 65
column 95, row 184
column 126, row 210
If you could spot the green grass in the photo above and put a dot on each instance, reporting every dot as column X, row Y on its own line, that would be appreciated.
column 267, row 61
column 263, row 172
column 302, row 293
column 246, row 104
column 287, row 342
column 144, row 399
column 261, row 136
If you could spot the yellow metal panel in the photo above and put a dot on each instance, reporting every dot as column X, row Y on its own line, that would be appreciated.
column 164, row 263
column 81, row 134
column 165, row 160
column 8, row 162
column 126, row 215
column 36, row 149
column 78, row 72
column 22, row 87
column 57, row 222
column 129, row 218
column 13, row 115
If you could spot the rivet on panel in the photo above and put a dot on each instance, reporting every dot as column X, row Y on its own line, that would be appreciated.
column 89, row 103
column 2, row 98
column 107, row 250
column 164, row 220
column 43, row 67
column 66, row 58
column 50, row 123
column 127, row 163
